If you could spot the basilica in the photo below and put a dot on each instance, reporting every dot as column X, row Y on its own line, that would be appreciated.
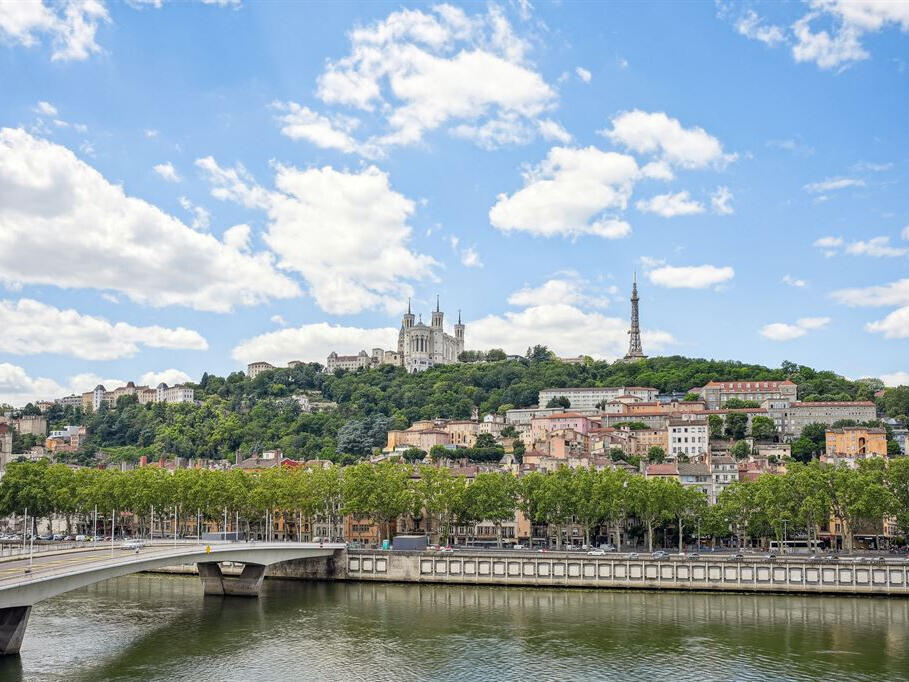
column 419, row 346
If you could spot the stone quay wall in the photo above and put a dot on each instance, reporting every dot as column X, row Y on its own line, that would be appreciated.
column 545, row 570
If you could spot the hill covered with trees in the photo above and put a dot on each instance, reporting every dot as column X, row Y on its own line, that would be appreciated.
column 238, row 414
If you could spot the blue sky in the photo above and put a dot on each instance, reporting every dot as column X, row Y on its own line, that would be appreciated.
column 192, row 186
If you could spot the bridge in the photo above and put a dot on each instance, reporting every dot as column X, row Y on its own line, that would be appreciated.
column 24, row 582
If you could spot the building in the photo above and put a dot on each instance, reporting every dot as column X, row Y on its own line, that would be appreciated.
column 254, row 369
column 33, row 424
column 697, row 475
column 791, row 418
column 71, row 401
column 724, row 471
column 162, row 393
column 594, row 397
column 635, row 352
column 716, row 393
column 851, row 444
column 688, row 437
column 419, row 347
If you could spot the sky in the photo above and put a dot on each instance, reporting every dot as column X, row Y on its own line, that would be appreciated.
column 192, row 186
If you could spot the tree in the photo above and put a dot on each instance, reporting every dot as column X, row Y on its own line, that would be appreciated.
column 413, row 454
column 736, row 425
column 495, row 355
column 763, row 428
column 857, row 495
column 485, row 440
column 493, row 497
column 656, row 454
column 817, row 434
column 651, row 501
column 560, row 401
column 715, row 425
column 741, row 450
column 691, row 397
column 802, row 449
column 738, row 403
column 686, row 504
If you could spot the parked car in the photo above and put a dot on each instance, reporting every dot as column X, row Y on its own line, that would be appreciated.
column 633, row 555
column 447, row 550
column 132, row 544
column 519, row 546
column 81, row 538
column 738, row 556
column 693, row 555
column 659, row 554
column 596, row 552
column 45, row 536
column 58, row 536
column 607, row 548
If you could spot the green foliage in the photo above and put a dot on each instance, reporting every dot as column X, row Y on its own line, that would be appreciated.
column 741, row 450
column 895, row 401
column 560, row 401
column 715, row 425
column 25, row 441
column 736, row 425
column 691, row 397
column 485, row 441
column 634, row 426
column 738, row 404
column 763, row 428
column 656, row 454
column 413, row 455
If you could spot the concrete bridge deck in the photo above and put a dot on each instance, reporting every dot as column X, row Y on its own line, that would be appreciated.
column 23, row 583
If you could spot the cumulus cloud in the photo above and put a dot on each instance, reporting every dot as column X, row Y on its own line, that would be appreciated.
column 328, row 132
column 279, row 320
column 166, row 376
column 879, row 247
column 570, row 193
column 690, row 277
column 833, row 184
column 752, row 26
column 167, row 171
column 56, row 208
column 470, row 258
column 895, row 379
column 567, row 287
column 422, row 71
column 32, row 327
column 566, row 329
column 345, row 232
column 793, row 282
column 583, row 74
column 781, row 331
column 18, row 388
column 896, row 324
column 670, row 205
column 313, row 343
column 849, row 22
column 45, row 108
column 69, row 26
column 658, row 134
column 200, row 215
column 721, row 201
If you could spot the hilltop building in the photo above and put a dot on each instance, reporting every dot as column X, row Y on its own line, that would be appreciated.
column 419, row 346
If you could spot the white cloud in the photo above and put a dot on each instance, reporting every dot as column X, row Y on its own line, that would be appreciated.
column 56, row 208
column 551, row 130
column 32, row 327
column 565, row 329
column 313, row 343
column 201, row 216
column 894, row 326
column 833, row 184
column 345, row 232
column 568, row 194
column 905, row 233
column 868, row 166
column 583, row 74
column 876, row 246
column 470, row 258
column 793, row 282
column 167, row 376
column 781, row 331
column 658, row 170
column 690, row 277
column 46, row 108
column 328, row 132
column 424, row 70
column 721, row 201
column 18, row 388
column 752, row 26
column 828, row 242
column 167, row 171
column 568, row 288
column 279, row 320
column 151, row 133
column 657, row 133
column 70, row 26
column 670, row 205
column 895, row 379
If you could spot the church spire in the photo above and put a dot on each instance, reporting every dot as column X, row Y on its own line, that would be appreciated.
column 635, row 352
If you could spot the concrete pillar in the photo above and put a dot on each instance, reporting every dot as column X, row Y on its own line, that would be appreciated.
column 247, row 584
column 212, row 578
column 12, row 628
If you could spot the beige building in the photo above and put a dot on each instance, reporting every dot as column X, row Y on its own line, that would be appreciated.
column 254, row 369
column 716, row 393
column 791, row 418
column 688, row 437
column 589, row 398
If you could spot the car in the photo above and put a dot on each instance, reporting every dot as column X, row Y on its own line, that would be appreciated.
column 659, row 554
column 607, row 548
column 518, row 546
column 447, row 550
column 693, row 555
column 633, row 555
column 831, row 558
column 45, row 536
column 738, row 556
column 596, row 552
column 542, row 549
column 58, row 536
column 770, row 555
column 81, row 538
column 132, row 545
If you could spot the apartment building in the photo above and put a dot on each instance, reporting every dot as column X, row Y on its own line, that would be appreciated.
column 716, row 393
column 587, row 398
column 688, row 437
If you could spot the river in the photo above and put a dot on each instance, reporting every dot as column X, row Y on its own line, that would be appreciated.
column 158, row 627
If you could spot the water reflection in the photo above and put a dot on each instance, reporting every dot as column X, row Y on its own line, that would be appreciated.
column 162, row 628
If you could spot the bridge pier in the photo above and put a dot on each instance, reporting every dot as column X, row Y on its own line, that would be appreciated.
column 247, row 584
column 12, row 628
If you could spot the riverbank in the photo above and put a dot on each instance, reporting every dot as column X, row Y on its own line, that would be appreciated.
column 796, row 576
